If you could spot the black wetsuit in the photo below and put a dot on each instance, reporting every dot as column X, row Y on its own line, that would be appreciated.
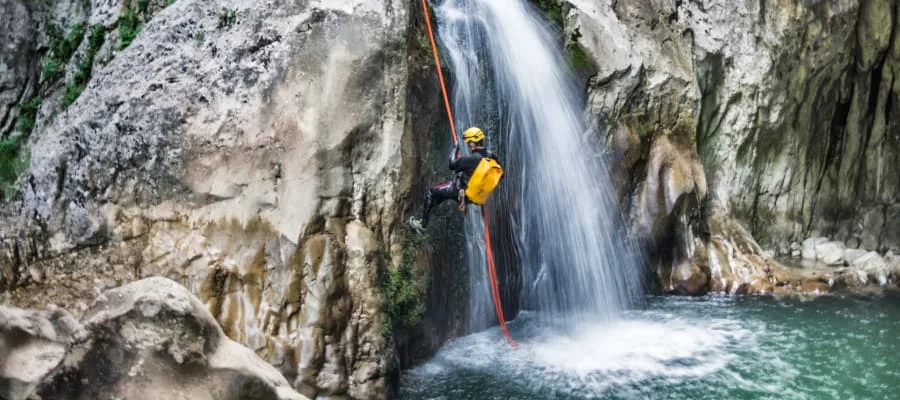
column 464, row 167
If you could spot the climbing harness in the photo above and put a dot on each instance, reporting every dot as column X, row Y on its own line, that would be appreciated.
column 490, row 176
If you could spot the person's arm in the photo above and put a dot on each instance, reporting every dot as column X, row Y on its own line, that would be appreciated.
column 453, row 158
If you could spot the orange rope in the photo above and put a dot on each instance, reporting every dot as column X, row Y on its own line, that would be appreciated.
column 437, row 63
column 492, row 271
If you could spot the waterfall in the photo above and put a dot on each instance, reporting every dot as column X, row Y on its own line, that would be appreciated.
column 510, row 77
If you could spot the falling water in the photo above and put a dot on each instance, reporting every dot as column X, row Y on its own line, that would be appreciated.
column 510, row 78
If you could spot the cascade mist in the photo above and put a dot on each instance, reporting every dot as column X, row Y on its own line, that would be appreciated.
column 510, row 78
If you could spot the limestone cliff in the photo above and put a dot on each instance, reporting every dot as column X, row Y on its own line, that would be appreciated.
column 149, row 339
column 778, row 119
column 257, row 152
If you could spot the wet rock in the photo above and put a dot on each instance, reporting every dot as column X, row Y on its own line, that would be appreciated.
column 874, row 266
column 152, row 339
column 674, row 186
column 767, row 154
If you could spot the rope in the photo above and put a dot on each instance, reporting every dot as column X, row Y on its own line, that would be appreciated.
column 492, row 271
column 437, row 63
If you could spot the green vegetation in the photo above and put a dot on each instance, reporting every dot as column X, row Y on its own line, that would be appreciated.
column 639, row 122
column 28, row 115
column 83, row 73
column 577, row 57
column 61, row 50
column 13, row 160
column 227, row 18
column 129, row 25
column 552, row 9
column 402, row 286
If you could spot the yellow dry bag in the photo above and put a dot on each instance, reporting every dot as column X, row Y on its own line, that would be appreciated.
column 483, row 181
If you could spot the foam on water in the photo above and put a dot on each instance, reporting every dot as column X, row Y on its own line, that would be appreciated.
column 596, row 356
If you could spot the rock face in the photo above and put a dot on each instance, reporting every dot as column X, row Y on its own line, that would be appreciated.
column 31, row 344
column 149, row 339
column 257, row 153
column 792, row 109
column 260, row 154
column 16, row 62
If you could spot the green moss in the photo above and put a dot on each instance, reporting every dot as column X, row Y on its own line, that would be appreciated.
column 227, row 18
column 577, row 57
column 28, row 116
column 50, row 70
column 402, row 286
column 62, row 47
column 80, row 78
column 639, row 122
column 552, row 9
column 129, row 25
column 13, row 160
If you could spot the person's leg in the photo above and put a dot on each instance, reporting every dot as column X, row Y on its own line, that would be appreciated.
column 435, row 195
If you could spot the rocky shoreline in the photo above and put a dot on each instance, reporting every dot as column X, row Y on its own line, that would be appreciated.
column 149, row 339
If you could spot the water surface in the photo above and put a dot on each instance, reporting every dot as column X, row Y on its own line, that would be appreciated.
column 845, row 347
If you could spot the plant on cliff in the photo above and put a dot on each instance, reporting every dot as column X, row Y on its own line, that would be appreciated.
column 227, row 18
column 639, row 122
column 401, row 286
column 85, row 66
column 576, row 55
column 129, row 24
column 61, row 50
column 13, row 160
column 28, row 115
column 552, row 9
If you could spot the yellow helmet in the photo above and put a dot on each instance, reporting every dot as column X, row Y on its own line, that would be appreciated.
column 473, row 135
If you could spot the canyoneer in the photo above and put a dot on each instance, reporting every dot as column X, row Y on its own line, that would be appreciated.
column 477, row 175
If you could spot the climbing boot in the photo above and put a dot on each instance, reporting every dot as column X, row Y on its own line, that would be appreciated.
column 416, row 224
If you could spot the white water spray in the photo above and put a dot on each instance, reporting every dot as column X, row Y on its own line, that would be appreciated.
column 510, row 78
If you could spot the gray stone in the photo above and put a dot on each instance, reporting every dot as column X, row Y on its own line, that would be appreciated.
column 851, row 255
column 215, row 150
column 17, row 79
column 810, row 245
column 152, row 339
column 32, row 343
column 830, row 253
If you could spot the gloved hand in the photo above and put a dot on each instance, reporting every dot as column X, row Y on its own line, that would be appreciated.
column 453, row 152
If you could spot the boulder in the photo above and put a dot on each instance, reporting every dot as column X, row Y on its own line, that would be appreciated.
column 150, row 339
column 850, row 255
column 808, row 250
column 873, row 266
column 831, row 253
column 31, row 344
